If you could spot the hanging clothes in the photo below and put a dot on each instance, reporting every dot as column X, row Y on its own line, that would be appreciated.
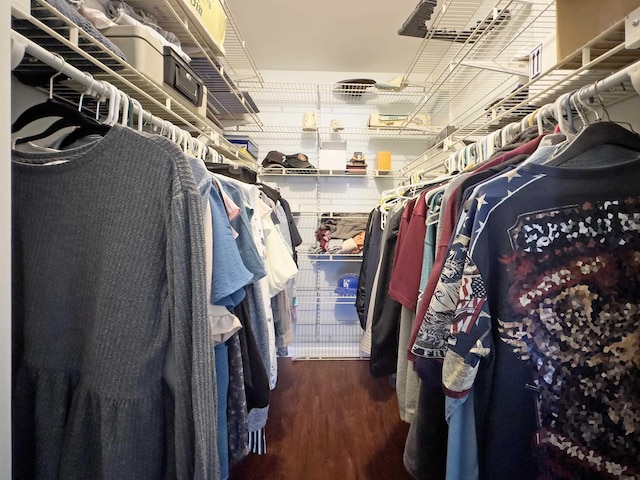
column 108, row 267
column 579, row 316
column 370, row 258
column 534, row 308
column 386, row 311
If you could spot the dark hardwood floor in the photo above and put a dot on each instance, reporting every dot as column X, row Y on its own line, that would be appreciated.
column 329, row 420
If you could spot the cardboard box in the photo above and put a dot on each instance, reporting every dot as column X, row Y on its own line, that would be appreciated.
column 332, row 156
column 579, row 21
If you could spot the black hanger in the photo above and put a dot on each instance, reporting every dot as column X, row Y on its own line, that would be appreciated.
column 70, row 117
column 237, row 172
column 595, row 135
column 83, row 131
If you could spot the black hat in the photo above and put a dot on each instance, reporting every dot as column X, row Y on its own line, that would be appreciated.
column 298, row 160
column 274, row 159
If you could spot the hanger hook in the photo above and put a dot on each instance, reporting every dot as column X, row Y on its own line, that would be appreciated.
column 58, row 73
column 588, row 105
column 138, row 105
column 577, row 104
column 569, row 111
column 559, row 107
column 89, row 90
column 601, row 102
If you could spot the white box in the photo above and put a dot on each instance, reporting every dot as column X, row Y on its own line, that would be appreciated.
column 332, row 156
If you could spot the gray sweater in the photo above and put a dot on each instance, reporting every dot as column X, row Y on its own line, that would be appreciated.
column 108, row 255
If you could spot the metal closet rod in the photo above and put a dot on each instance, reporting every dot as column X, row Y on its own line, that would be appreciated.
column 21, row 45
column 553, row 110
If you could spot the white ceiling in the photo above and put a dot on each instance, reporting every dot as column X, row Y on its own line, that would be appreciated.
column 327, row 35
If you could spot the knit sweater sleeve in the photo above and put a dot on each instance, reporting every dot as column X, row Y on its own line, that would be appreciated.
column 195, row 407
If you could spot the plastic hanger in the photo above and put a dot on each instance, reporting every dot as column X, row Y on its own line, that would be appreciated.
column 70, row 117
column 126, row 105
column 595, row 135
column 86, row 129
column 569, row 110
column 137, row 105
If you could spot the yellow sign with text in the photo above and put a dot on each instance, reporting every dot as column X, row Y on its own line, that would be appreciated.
column 212, row 17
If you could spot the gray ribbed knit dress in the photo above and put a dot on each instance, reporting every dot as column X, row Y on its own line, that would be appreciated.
column 108, row 266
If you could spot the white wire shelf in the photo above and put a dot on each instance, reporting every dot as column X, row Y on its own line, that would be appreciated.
column 332, row 257
column 312, row 94
column 56, row 33
column 313, row 296
column 491, row 37
column 281, row 132
column 176, row 17
column 308, row 172
column 595, row 61
column 238, row 59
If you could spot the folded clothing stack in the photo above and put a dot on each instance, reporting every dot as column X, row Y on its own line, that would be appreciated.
column 340, row 233
column 357, row 164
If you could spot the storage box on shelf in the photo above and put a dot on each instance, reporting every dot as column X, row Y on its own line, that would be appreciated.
column 146, row 54
column 78, row 48
column 200, row 26
column 196, row 23
column 332, row 156
column 244, row 144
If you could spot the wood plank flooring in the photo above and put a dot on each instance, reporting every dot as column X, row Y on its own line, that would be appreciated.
column 329, row 420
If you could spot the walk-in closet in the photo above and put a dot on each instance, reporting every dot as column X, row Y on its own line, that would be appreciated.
column 359, row 240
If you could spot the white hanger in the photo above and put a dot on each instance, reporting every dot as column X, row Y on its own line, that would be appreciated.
column 506, row 134
column 114, row 106
column 137, row 105
column 495, row 143
column 559, row 109
column 451, row 162
column 587, row 106
column 125, row 109
column 87, row 91
column 202, row 149
column 574, row 99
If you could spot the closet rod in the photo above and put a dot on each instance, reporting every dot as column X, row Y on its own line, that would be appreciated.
column 21, row 45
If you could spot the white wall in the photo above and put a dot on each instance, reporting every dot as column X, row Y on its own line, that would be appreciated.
column 5, row 245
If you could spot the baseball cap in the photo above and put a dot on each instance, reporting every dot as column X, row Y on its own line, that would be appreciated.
column 274, row 159
column 298, row 160
column 347, row 285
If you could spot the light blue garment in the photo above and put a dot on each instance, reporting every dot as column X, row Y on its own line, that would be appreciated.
column 222, row 383
column 202, row 178
column 282, row 223
column 542, row 154
column 462, row 447
column 248, row 251
column 229, row 273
